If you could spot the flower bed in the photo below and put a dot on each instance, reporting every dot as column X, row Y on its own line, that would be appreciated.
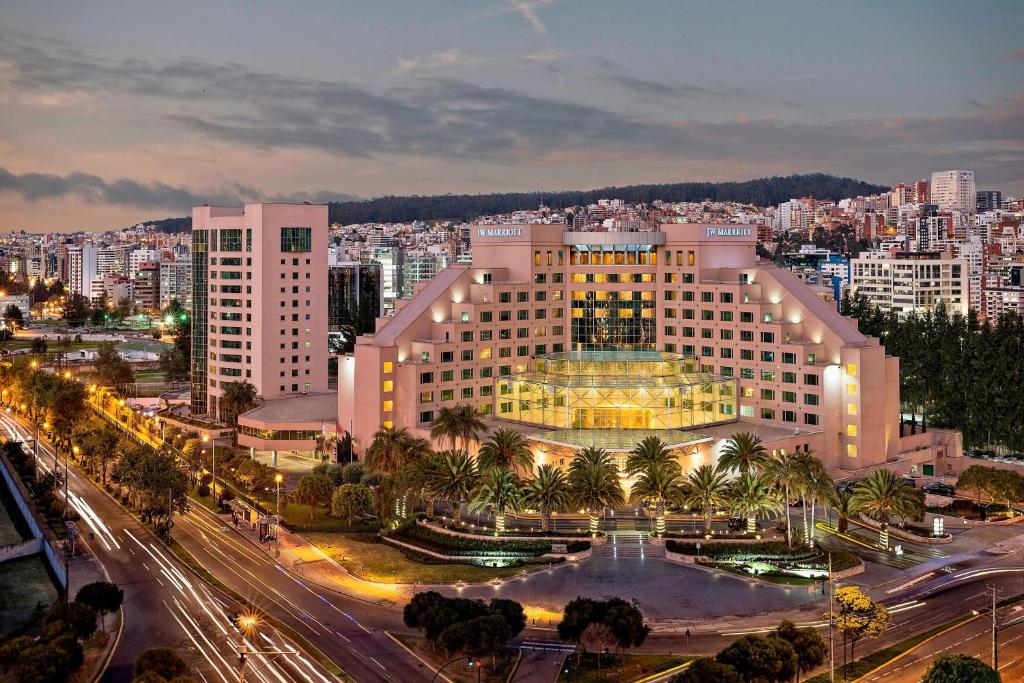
column 449, row 544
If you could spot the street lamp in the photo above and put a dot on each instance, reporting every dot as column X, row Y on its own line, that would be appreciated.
column 278, row 478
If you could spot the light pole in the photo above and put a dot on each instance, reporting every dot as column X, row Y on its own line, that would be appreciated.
column 278, row 478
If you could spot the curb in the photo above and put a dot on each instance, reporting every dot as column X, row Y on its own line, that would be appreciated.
column 666, row 672
column 903, row 654
column 515, row 666
column 430, row 667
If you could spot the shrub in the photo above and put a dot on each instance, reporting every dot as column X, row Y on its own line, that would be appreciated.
column 160, row 660
column 449, row 544
column 769, row 550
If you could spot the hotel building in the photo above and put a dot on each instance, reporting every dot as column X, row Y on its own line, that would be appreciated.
column 259, row 302
column 603, row 338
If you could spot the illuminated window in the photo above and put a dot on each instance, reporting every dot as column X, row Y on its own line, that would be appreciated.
column 389, row 367
column 852, row 388
column 426, row 396
column 851, row 450
column 388, row 424
column 388, row 385
column 485, row 353
column 389, row 406
column 851, row 369
column 851, row 408
column 851, row 430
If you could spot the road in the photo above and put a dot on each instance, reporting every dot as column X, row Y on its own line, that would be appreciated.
column 165, row 605
column 972, row 638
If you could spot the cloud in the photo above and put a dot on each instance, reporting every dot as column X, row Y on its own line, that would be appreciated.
column 527, row 9
column 450, row 120
column 95, row 190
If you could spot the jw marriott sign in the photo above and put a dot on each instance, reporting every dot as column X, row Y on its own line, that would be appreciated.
column 499, row 232
column 719, row 231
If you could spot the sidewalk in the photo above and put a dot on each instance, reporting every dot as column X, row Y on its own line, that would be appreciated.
column 309, row 562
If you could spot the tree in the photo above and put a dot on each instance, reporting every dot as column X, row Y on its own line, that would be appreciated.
column 102, row 596
column 594, row 482
column 76, row 310
column 13, row 315
column 314, row 490
column 458, row 624
column 707, row 670
column 959, row 668
column 46, row 660
column 753, row 498
column 706, row 488
column 842, row 503
column 743, row 453
column 789, row 471
column 650, row 451
column 81, row 618
column 507, row 449
column 856, row 616
column 770, row 659
column 238, row 397
column 454, row 480
column 392, row 448
column 499, row 491
column 174, row 365
column 38, row 346
column 809, row 645
column 597, row 637
column 111, row 369
column 624, row 621
column 162, row 661
column 548, row 492
column 458, row 422
column 351, row 501
column 883, row 495
column 657, row 483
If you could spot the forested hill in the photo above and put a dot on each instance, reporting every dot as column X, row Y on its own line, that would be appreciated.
column 466, row 207
column 761, row 192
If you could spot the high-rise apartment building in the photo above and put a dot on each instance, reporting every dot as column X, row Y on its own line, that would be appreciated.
column 353, row 289
column 146, row 287
column 259, row 301
column 176, row 281
column 577, row 338
column 106, row 261
column 139, row 256
column 82, row 267
column 912, row 282
column 954, row 190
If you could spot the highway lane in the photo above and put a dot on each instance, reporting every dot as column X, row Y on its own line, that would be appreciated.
column 164, row 604
column 348, row 630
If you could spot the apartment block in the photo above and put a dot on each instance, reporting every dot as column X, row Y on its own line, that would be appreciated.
column 912, row 282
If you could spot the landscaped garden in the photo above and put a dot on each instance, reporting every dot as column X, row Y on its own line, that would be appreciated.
column 771, row 561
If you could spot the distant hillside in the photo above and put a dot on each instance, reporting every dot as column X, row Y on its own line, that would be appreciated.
column 761, row 192
column 466, row 207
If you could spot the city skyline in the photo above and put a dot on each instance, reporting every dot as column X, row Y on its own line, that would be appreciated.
column 106, row 122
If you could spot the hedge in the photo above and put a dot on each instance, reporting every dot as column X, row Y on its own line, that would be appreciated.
column 769, row 550
column 449, row 544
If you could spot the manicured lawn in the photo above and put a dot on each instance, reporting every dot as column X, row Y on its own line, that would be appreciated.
column 781, row 580
column 297, row 518
column 458, row 671
column 24, row 586
column 616, row 667
column 386, row 564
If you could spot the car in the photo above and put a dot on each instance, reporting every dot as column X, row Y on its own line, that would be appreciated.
column 909, row 481
column 847, row 486
column 939, row 489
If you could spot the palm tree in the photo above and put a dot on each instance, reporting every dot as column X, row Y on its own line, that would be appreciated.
column 883, row 495
column 650, row 451
column 819, row 487
column 238, row 397
column 708, row 489
column 548, row 492
column 470, row 425
column 392, row 448
column 454, row 479
column 594, row 481
column 743, row 453
column 843, row 505
column 658, row 483
column 752, row 498
column 501, row 491
column 445, row 426
column 787, row 471
column 506, row 449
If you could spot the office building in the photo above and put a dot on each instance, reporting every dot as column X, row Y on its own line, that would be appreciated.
column 259, row 301
column 954, row 190
column 911, row 282
column 353, row 291
column 579, row 339
column 989, row 200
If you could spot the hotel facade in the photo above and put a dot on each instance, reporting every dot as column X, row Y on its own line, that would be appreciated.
column 582, row 339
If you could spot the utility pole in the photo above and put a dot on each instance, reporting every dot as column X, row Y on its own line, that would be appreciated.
column 995, row 637
column 831, row 647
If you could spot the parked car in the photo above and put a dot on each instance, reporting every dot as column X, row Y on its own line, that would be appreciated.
column 909, row 481
column 847, row 486
column 939, row 489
